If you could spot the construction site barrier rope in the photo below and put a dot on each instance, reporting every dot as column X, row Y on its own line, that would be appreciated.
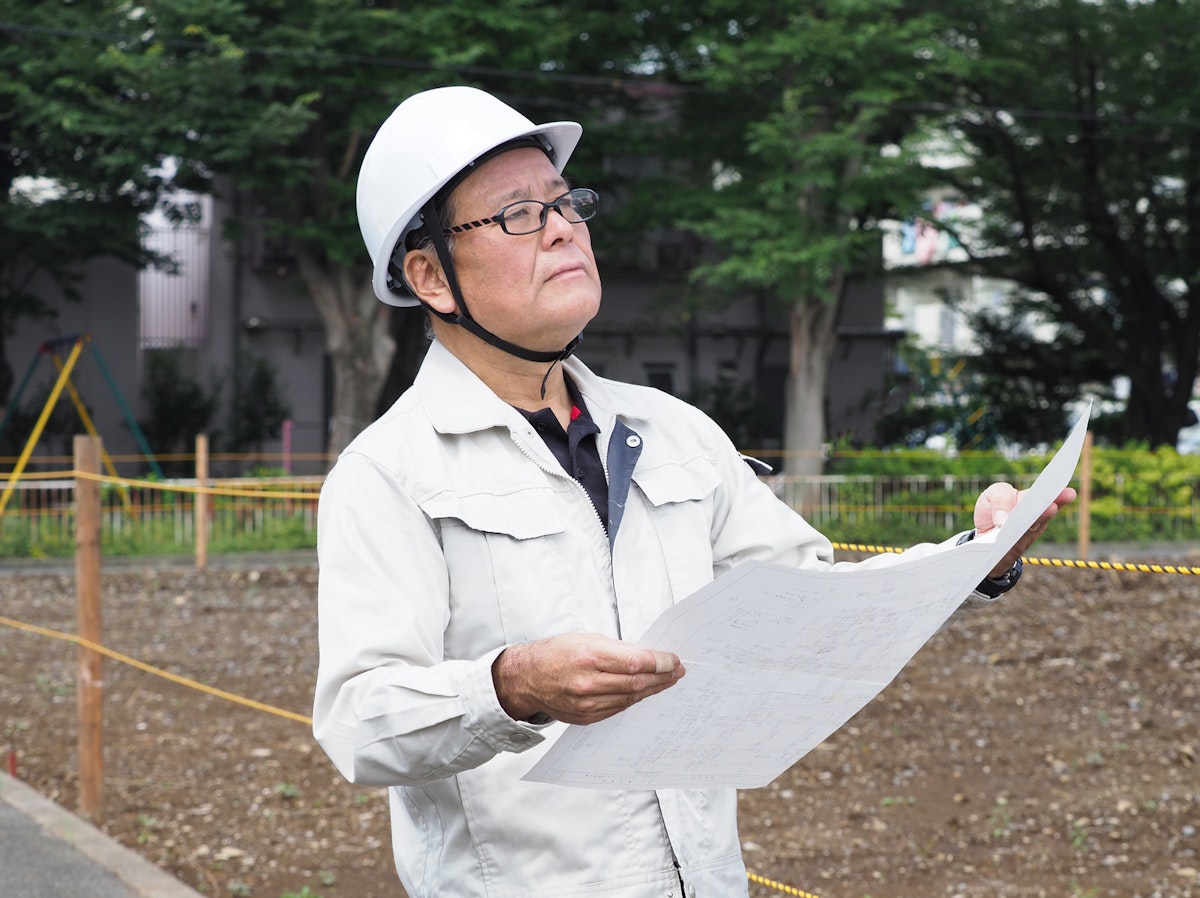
column 175, row 487
column 155, row 671
column 259, row 706
column 304, row 719
column 1140, row 567
column 38, row 475
column 206, row 490
column 778, row 886
column 1137, row 567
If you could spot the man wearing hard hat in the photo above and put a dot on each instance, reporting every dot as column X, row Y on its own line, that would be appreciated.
column 489, row 543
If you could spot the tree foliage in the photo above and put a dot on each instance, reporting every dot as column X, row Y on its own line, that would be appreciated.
column 789, row 147
column 177, row 405
column 270, row 105
column 1074, row 126
column 783, row 134
column 77, row 157
column 291, row 96
column 1078, row 124
column 258, row 408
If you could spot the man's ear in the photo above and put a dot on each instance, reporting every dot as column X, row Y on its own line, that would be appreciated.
column 425, row 276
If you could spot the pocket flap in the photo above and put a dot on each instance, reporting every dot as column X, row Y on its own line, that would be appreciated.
column 685, row 481
column 524, row 515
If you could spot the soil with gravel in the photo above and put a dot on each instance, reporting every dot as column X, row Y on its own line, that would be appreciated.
column 1047, row 746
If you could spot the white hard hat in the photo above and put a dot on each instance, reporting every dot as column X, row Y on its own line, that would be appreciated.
column 422, row 146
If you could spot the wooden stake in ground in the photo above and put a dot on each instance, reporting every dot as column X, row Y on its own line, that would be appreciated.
column 1085, row 498
column 90, row 680
column 201, row 503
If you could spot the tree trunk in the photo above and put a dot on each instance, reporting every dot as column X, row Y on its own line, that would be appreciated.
column 812, row 337
column 360, row 347
column 6, row 378
column 1153, row 415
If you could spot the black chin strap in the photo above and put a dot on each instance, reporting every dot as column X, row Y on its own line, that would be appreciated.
column 463, row 316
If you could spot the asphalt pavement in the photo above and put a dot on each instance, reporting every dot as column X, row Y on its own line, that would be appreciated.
column 48, row 852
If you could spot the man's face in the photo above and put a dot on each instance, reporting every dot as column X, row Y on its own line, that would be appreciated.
column 536, row 290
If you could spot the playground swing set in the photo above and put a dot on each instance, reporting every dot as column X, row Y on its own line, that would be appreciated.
column 53, row 348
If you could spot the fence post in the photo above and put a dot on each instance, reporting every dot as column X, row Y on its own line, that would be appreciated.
column 288, row 426
column 90, row 678
column 202, row 501
column 1085, row 498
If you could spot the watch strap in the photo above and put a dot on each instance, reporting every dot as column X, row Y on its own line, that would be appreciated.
column 995, row 586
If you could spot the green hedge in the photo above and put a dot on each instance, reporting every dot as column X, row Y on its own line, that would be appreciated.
column 887, row 499
column 1138, row 495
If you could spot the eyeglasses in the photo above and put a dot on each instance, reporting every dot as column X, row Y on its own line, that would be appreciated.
column 529, row 216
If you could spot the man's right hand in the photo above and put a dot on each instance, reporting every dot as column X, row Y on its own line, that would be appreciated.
column 580, row 678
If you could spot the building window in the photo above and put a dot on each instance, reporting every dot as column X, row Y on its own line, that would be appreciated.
column 946, row 328
column 661, row 376
column 174, row 304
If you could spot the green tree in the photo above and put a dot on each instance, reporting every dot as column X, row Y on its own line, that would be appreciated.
column 77, row 157
column 1074, row 125
column 795, row 139
column 177, row 406
column 280, row 101
column 1077, row 130
column 258, row 408
column 1026, row 384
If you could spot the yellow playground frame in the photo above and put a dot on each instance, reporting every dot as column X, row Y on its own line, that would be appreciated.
column 52, row 348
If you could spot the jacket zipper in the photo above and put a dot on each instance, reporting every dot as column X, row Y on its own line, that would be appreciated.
column 559, row 472
column 679, row 874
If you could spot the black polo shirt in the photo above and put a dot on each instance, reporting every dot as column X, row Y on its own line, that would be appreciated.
column 575, row 448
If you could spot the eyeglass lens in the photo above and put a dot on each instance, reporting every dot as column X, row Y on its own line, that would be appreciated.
column 528, row 216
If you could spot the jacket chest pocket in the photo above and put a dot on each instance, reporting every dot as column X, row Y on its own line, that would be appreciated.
column 507, row 562
column 679, row 496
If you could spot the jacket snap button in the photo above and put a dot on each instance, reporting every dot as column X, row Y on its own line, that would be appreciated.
column 520, row 737
column 633, row 441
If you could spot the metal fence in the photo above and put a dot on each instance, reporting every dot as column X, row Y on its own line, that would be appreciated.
column 936, row 504
column 242, row 514
column 280, row 512
column 903, row 509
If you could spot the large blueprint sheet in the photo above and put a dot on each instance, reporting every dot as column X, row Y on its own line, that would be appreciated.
column 778, row 659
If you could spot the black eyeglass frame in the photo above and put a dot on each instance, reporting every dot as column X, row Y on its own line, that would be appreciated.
column 589, row 198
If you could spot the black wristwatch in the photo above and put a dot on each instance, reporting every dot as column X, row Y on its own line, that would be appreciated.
column 996, row 586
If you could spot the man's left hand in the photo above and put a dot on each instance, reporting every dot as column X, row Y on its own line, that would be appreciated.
column 993, row 507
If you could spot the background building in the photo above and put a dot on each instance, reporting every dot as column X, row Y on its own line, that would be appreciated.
column 228, row 301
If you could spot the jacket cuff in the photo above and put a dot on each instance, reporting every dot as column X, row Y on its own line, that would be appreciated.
column 488, row 720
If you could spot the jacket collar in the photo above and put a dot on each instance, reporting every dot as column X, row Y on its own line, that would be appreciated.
column 457, row 401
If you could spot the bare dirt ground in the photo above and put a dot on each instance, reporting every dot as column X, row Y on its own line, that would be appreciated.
column 1049, row 746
